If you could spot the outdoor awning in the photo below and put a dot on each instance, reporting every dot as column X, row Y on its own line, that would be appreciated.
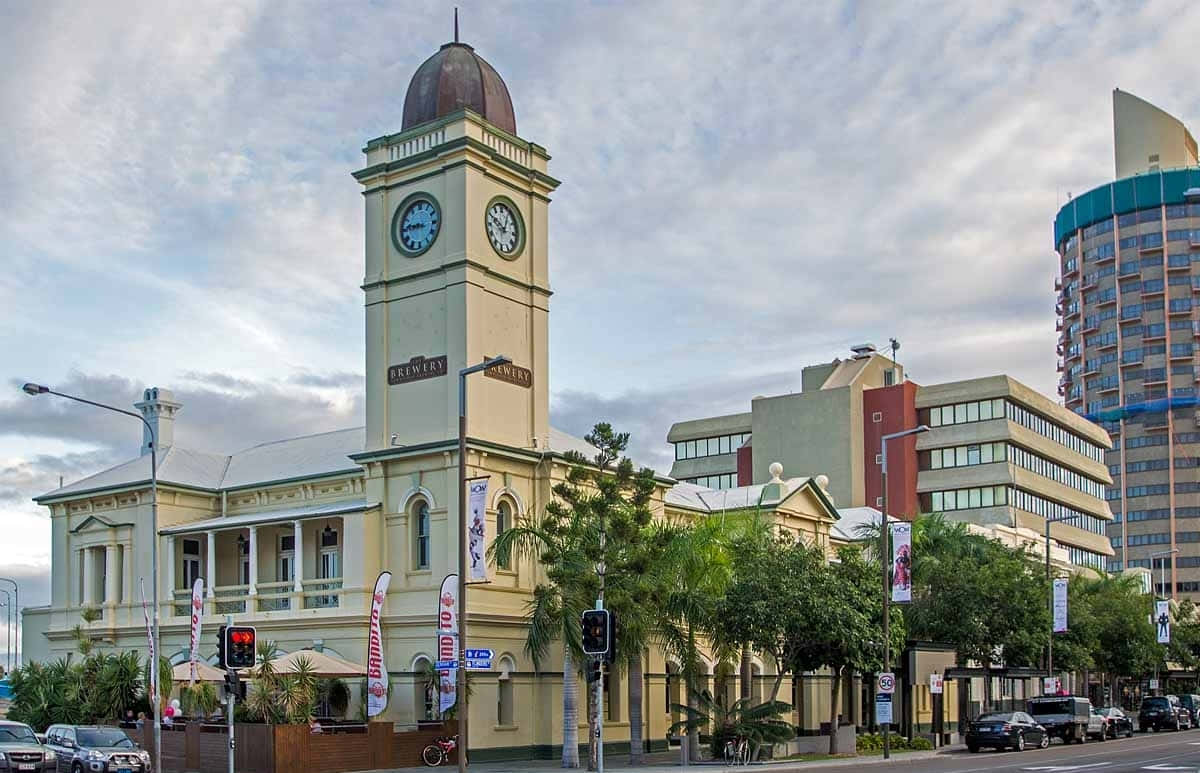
column 270, row 516
column 321, row 663
column 204, row 672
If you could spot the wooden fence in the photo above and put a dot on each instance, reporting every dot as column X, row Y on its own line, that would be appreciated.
column 202, row 748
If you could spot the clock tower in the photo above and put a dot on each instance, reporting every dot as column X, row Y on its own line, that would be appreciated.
column 456, row 263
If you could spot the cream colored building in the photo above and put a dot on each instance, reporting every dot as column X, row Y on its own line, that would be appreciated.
column 1147, row 138
column 290, row 536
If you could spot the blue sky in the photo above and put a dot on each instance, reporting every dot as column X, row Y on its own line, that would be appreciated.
column 747, row 188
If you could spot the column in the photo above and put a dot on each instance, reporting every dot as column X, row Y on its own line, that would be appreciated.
column 169, row 567
column 211, row 575
column 89, row 577
column 253, row 560
column 298, row 586
column 112, row 577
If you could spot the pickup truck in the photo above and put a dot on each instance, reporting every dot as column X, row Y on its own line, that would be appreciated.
column 1068, row 717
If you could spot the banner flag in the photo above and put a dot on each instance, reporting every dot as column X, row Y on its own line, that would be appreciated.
column 1162, row 621
column 447, row 641
column 377, row 675
column 1060, row 605
column 197, row 614
column 901, row 561
column 477, row 527
column 149, row 632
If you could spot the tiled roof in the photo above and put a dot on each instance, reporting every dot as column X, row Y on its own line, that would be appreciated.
column 715, row 500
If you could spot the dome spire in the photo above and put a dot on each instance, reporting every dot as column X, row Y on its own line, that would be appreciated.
column 456, row 24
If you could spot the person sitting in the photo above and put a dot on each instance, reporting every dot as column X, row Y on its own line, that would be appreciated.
column 141, row 719
column 314, row 726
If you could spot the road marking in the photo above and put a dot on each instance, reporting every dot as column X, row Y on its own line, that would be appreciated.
column 1167, row 767
column 1057, row 768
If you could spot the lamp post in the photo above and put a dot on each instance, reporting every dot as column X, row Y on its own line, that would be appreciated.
column 463, row 563
column 39, row 389
column 7, row 604
column 16, row 614
column 1050, row 590
column 885, row 556
column 1161, row 555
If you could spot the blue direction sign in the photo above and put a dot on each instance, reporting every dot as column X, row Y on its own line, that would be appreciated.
column 480, row 654
column 479, row 664
column 446, row 665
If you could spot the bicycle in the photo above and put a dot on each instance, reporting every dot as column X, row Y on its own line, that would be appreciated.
column 438, row 752
column 737, row 752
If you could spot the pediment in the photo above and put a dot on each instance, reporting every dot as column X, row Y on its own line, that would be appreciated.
column 94, row 523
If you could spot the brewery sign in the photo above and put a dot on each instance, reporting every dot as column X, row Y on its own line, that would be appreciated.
column 513, row 374
column 417, row 369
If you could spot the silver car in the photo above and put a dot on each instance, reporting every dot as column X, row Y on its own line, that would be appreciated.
column 21, row 750
column 94, row 749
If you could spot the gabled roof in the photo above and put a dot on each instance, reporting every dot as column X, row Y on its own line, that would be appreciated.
column 693, row 497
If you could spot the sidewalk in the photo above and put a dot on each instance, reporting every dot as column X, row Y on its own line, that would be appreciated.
column 662, row 762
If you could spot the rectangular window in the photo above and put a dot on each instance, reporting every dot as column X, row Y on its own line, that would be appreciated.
column 972, row 411
column 985, row 410
column 973, row 455
column 960, row 413
column 724, row 444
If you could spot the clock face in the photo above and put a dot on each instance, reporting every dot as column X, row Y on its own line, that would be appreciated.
column 416, row 225
column 503, row 229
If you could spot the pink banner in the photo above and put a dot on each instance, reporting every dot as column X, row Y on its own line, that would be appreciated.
column 197, row 613
column 377, row 675
column 447, row 641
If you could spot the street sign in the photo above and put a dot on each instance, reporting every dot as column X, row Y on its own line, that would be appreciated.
column 935, row 684
column 883, row 709
column 1049, row 685
column 1153, row 684
column 479, row 664
column 446, row 665
column 886, row 683
column 480, row 654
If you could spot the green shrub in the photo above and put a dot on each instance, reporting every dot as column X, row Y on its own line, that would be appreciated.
column 920, row 745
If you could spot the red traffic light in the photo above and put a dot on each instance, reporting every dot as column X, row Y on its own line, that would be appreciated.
column 237, row 649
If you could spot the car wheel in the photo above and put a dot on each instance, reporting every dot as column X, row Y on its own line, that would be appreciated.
column 973, row 748
column 76, row 768
column 1020, row 745
column 1045, row 742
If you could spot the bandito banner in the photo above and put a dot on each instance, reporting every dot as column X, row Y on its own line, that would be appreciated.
column 197, row 615
column 447, row 641
column 377, row 675
column 477, row 527
column 1060, row 605
column 901, row 561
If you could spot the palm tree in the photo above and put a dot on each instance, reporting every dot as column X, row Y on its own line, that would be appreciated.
column 556, row 606
column 759, row 724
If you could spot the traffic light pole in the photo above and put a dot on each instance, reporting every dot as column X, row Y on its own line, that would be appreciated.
column 600, row 700
column 230, row 698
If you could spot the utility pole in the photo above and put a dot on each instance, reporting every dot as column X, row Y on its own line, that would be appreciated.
column 230, row 699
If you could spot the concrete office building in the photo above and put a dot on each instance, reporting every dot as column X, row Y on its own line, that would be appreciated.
column 998, row 454
column 1129, row 256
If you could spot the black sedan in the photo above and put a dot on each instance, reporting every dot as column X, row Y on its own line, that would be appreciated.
column 1006, row 730
column 1116, row 722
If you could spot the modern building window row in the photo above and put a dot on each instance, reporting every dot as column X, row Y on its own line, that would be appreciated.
column 1096, row 229
column 1103, row 296
column 1104, row 339
column 1179, row 259
column 964, row 499
column 1100, row 252
column 713, row 446
column 1144, row 441
column 1056, row 472
column 963, row 456
column 1152, row 285
column 1046, row 508
column 1182, row 350
column 1181, row 304
column 724, row 481
column 1094, row 365
column 1032, row 421
column 1145, row 374
column 965, row 413
column 1183, row 235
column 1081, row 557
column 1187, row 487
column 1179, row 280
column 1157, row 514
column 1158, row 538
column 1149, row 490
column 1105, row 402
column 1147, row 465
column 1143, row 241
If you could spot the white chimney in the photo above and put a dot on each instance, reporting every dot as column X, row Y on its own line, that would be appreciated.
column 159, row 409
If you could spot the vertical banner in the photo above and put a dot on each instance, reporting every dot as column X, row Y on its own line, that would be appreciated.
column 197, row 614
column 149, row 636
column 901, row 561
column 1060, row 605
column 447, row 641
column 377, row 675
column 477, row 527
column 1162, row 621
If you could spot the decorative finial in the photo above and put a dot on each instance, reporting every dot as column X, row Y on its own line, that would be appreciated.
column 456, row 24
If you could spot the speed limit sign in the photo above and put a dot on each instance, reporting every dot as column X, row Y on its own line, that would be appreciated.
column 886, row 683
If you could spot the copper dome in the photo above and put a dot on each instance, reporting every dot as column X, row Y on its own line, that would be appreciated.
column 453, row 78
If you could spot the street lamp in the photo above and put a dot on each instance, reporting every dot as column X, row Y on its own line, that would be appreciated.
column 1050, row 590
column 885, row 561
column 39, row 389
column 462, row 551
column 16, row 613
column 7, row 604
column 1162, row 581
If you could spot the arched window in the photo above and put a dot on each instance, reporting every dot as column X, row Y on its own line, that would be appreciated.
column 425, row 690
column 421, row 546
column 504, row 522
column 505, row 708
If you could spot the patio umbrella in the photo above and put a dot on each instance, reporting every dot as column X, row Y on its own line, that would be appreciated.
column 204, row 672
column 321, row 664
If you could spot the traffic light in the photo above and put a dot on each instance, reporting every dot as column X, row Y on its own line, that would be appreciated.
column 597, row 629
column 237, row 647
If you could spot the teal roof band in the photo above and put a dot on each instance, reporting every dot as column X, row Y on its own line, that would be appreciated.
column 1127, row 195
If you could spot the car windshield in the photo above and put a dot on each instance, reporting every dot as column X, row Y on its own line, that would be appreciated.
column 1052, row 707
column 17, row 734
column 104, row 737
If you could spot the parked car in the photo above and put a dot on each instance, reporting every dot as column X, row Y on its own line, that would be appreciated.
column 20, row 749
column 1192, row 704
column 1162, row 711
column 1116, row 722
column 1067, row 717
column 92, row 749
column 1006, row 730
